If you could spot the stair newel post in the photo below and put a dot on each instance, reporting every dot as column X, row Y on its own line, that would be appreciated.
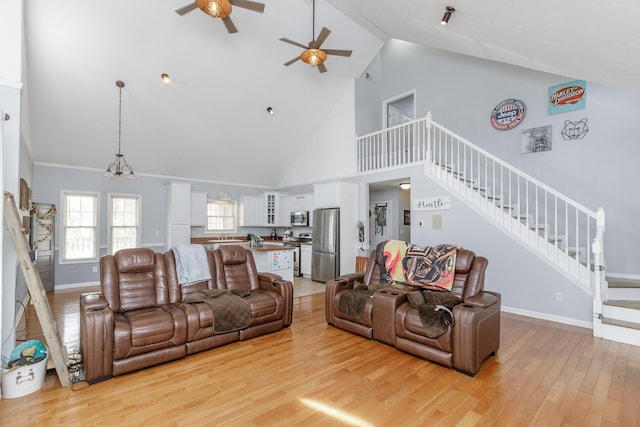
column 599, row 283
column 429, row 126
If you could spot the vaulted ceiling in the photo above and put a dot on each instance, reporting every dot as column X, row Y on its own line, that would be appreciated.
column 210, row 122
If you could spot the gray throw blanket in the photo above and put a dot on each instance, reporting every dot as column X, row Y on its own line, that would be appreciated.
column 352, row 302
column 436, row 312
column 230, row 310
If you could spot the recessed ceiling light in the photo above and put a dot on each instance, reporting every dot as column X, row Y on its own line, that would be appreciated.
column 165, row 78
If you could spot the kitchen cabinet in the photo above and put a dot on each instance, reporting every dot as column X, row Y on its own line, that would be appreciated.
column 305, row 260
column 327, row 195
column 274, row 217
column 198, row 209
column 252, row 211
column 178, row 213
column 284, row 211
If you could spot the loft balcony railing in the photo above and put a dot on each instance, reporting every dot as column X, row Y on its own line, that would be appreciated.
column 556, row 228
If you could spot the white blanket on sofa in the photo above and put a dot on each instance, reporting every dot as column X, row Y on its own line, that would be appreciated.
column 191, row 264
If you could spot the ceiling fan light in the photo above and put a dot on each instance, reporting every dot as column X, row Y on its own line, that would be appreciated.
column 215, row 8
column 313, row 57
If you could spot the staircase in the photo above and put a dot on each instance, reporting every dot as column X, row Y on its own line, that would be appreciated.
column 560, row 231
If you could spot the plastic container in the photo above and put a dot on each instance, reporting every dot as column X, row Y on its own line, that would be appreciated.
column 23, row 380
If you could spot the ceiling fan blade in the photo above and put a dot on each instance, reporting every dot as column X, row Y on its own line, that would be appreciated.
column 322, row 37
column 337, row 52
column 297, row 58
column 186, row 9
column 293, row 43
column 246, row 4
column 229, row 24
column 322, row 68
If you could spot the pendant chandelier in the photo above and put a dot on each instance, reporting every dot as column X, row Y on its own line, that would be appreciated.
column 119, row 166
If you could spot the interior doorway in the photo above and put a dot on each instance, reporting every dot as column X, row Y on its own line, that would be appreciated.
column 380, row 220
column 399, row 109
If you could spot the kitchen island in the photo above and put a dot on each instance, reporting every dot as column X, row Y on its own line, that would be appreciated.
column 274, row 259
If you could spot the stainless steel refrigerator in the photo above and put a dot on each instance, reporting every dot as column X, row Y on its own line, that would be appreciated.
column 325, row 246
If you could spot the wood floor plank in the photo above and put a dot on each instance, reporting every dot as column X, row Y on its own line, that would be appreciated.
column 315, row 375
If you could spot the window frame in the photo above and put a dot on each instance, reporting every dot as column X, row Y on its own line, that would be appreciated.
column 234, row 203
column 62, row 258
column 110, row 226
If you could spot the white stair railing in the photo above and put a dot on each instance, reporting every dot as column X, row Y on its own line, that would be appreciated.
column 556, row 228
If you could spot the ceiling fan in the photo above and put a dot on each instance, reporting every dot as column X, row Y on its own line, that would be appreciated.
column 312, row 53
column 221, row 9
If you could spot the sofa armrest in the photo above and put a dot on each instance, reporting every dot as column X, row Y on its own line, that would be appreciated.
column 96, row 337
column 476, row 331
column 483, row 299
column 274, row 283
column 352, row 277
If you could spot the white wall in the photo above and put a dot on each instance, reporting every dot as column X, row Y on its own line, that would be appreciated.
column 10, row 73
column 330, row 153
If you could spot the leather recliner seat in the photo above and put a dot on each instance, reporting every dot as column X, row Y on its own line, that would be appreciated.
column 140, row 318
column 390, row 317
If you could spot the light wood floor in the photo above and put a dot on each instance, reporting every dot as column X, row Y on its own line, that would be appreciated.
column 312, row 374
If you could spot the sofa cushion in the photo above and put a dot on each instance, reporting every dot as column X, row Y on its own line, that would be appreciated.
column 135, row 260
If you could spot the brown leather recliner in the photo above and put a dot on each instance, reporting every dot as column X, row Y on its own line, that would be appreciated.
column 135, row 322
column 140, row 320
column 391, row 319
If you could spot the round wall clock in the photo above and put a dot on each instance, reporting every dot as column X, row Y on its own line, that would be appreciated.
column 508, row 114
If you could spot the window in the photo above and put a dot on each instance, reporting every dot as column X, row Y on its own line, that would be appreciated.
column 124, row 222
column 221, row 216
column 79, row 227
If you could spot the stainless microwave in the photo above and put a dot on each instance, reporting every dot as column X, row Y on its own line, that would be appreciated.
column 300, row 219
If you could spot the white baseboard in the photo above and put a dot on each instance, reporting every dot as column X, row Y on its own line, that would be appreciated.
column 549, row 317
column 76, row 285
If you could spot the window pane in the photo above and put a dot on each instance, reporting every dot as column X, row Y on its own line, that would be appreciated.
column 80, row 243
column 221, row 216
column 124, row 222
column 80, row 227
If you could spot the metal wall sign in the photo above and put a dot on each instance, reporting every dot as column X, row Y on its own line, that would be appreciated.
column 568, row 97
column 432, row 204
column 508, row 114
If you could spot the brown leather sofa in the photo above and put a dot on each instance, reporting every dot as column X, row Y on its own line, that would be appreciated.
column 139, row 318
column 389, row 317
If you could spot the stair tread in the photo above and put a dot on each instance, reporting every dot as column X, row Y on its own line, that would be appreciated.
column 623, row 283
column 634, row 304
column 623, row 323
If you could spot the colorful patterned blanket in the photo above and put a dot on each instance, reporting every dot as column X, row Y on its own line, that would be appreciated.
column 428, row 267
column 389, row 255
column 431, row 267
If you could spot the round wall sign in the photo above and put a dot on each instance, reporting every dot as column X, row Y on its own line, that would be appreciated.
column 508, row 114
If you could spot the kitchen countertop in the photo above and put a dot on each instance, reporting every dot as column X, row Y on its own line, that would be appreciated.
column 268, row 247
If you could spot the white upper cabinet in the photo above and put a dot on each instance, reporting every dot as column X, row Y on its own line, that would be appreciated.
column 179, row 197
column 198, row 208
column 327, row 195
column 252, row 212
column 178, row 213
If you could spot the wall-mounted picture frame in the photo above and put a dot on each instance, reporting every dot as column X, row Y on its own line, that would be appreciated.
column 536, row 140
column 407, row 217
column 25, row 195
